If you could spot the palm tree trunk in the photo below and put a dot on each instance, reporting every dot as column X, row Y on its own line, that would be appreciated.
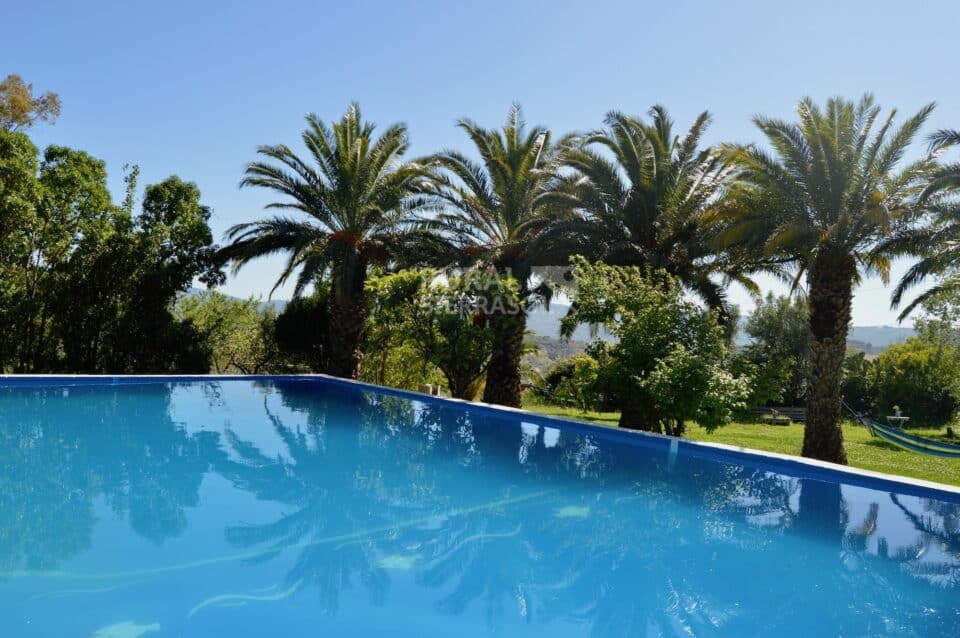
column 831, row 293
column 348, row 315
column 503, row 373
column 344, row 337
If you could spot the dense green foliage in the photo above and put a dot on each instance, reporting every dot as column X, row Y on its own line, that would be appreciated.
column 301, row 331
column 87, row 285
column 446, row 322
column 239, row 334
column 777, row 353
column 392, row 356
column 575, row 381
column 666, row 367
column 921, row 376
column 857, row 389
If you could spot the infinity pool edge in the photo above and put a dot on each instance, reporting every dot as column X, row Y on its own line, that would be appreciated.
column 800, row 467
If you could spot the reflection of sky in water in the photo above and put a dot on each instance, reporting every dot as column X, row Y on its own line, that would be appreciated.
column 301, row 508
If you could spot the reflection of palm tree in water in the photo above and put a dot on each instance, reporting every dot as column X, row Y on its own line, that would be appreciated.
column 483, row 556
column 840, row 572
column 363, row 493
column 375, row 477
column 492, row 556
column 810, row 576
column 939, row 526
column 321, row 485
column 547, row 568
column 641, row 572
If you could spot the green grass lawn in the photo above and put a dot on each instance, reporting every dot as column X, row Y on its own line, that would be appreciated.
column 863, row 450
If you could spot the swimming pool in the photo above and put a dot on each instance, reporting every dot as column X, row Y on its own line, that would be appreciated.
column 302, row 506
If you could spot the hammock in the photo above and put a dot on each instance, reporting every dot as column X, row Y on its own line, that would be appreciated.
column 906, row 441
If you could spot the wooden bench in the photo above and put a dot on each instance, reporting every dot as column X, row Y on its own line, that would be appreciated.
column 785, row 416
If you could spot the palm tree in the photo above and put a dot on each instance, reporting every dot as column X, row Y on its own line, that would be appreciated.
column 645, row 197
column 936, row 239
column 356, row 210
column 494, row 211
column 829, row 192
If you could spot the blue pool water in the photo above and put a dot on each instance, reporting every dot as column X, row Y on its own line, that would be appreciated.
column 305, row 507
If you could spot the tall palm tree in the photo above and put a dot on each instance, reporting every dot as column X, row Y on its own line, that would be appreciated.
column 494, row 210
column 353, row 194
column 823, row 199
column 936, row 237
column 645, row 197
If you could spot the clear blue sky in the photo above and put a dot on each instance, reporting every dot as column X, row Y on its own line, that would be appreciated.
column 191, row 88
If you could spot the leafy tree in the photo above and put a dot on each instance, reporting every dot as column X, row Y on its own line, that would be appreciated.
column 579, row 386
column 823, row 200
column 646, row 197
column 446, row 322
column 940, row 322
column 20, row 108
column 393, row 357
column 495, row 209
column 666, row 367
column 73, row 209
column 355, row 206
column 778, row 350
column 89, row 285
column 921, row 377
column 96, row 288
column 238, row 332
column 858, row 388
column 19, row 198
column 301, row 330
column 95, row 294
column 173, row 248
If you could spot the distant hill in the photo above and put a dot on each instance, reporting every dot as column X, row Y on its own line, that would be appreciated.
column 546, row 323
column 881, row 336
column 869, row 339
column 549, row 351
column 277, row 304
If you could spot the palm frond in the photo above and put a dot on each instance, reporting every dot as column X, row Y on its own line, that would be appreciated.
column 356, row 187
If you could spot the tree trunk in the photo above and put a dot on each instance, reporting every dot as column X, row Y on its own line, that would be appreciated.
column 348, row 314
column 830, row 296
column 344, row 337
column 634, row 417
column 630, row 418
column 503, row 373
column 820, row 510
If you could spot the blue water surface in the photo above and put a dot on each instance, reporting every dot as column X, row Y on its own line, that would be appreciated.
column 303, row 507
